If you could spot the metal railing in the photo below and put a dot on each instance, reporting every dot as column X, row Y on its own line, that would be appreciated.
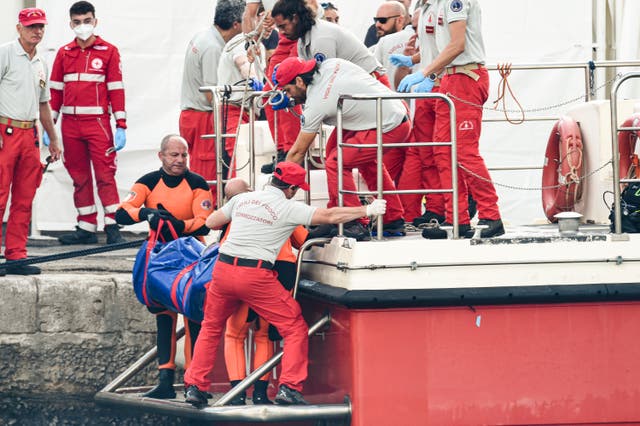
column 615, row 149
column 219, row 136
column 379, row 145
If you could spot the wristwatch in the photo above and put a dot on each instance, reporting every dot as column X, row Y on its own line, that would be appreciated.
column 433, row 76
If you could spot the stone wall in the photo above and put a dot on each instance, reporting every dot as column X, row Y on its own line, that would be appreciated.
column 64, row 337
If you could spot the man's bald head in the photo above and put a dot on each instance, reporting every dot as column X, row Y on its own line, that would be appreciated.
column 235, row 186
column 390, row 18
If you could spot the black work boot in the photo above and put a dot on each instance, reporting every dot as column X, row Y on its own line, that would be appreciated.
column 326, row 230
column 436, row 233
column 288, row 396
column 7, row 268
column 240, row 399
column 269, row 167
column 113, row 234
column 195, row 396
column 260, row 393
column 428, row 217
column 164, row 389
column 357, row 230
column 494, row 228
column 79, row 236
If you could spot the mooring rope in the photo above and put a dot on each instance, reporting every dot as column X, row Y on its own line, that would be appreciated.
column 72, row 254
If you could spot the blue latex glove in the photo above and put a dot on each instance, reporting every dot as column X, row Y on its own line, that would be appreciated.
column 280, row 101
column 425, row 86
column 45, row 138
column 255, row 84
column 120, row 139
column 411, row 80
column 400, row 60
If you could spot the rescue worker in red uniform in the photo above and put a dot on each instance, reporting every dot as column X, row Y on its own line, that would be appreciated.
column 86, row 82
column 461, row 55
column 262, row 222
column 24, row 96
column 288, row 124
column 183, row 198
column 238, row 323
column 201, row 69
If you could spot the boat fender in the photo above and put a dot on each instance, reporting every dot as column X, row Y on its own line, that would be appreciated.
column 562, row 171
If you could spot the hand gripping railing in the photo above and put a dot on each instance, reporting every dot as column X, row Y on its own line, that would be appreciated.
column 615, row 152
column 275, row 360
column 380, row 151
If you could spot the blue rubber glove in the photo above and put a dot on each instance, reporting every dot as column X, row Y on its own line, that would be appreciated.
column 45, row 138
column 280, row 101
column 410, row 80
column 255, row 84
column 425, row 86
column 400, row 60
column 120, row 139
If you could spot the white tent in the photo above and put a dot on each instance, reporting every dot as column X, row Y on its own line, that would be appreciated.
column 152, row 37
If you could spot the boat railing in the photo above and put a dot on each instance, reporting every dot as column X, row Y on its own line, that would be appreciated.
column 380, row 146
column 591, row 87
column 218, row 93
column 615, row 150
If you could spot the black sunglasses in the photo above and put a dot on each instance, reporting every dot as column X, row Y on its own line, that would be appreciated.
column 383, row 20
column 328, row 5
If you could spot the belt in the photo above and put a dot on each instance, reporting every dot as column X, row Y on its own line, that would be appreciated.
column 239, row 261
column 466, row 70
column 17, row 123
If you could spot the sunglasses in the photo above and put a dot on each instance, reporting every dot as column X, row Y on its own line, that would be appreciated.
column 383, row 20
column 328, row 5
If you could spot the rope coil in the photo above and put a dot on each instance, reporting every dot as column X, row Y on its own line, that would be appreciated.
column 503, row 86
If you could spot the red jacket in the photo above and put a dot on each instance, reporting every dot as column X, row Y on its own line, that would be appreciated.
column 87, row 82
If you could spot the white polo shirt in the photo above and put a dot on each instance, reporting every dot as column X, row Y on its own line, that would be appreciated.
column 339, row 77
column 267, row 4
column 200, row 68
column 461, row 10
column 228, row 72
column 427, row 33
column 261, row 223
column 327, row 40
column 24, row 82
column 388, row 45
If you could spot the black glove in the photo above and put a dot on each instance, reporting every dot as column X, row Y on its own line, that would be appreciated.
column 144, row 213
column 156, row 214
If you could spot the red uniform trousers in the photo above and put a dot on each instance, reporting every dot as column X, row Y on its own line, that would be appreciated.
column 288, row 123
column 419, row 170
column 260, row 289
column 20, row 173
column 365, row 160
column 193, row 125
column 234, row 337
column 86, row 140
column 469, row 123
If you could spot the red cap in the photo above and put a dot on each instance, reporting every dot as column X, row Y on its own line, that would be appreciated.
column 32, row 15
column 291, row 173
column 290, row 68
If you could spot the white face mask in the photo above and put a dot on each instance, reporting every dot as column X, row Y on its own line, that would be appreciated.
column 84, row 31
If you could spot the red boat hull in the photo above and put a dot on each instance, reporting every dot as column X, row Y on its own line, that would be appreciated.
column 574, row 363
